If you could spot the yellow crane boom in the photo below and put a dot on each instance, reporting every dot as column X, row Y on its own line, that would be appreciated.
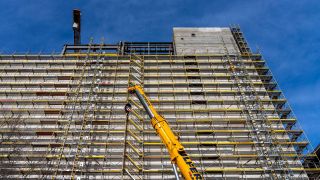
column 177, row 153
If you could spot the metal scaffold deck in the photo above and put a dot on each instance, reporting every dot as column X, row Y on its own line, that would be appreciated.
column 62, row 116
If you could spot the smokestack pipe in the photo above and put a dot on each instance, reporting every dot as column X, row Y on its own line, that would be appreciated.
column 76, row 26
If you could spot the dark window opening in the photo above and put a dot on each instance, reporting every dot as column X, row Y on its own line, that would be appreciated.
column 193, row 77
column 191, row 63
column 205, row 144
column 189, row 57
column 193, row 35
column 199, row 102
column 182, row 38
column 210, row 157
column 195, row 85
column 196, row 93
column 192, row 70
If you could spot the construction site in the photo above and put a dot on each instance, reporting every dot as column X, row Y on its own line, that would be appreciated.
column 63, row 117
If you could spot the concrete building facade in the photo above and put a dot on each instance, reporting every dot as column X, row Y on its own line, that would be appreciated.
column 62, row 115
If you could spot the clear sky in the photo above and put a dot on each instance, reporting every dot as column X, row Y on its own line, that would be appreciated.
column 286, row 31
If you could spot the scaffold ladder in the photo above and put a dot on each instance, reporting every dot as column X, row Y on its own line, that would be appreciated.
column 89, row 114
column 132, row 164
column 280, row 163
column 77, row 96
column 260, row 127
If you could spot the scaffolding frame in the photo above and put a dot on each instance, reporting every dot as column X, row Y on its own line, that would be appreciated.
column 65, row 112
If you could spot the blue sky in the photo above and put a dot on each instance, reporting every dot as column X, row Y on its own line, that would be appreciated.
column 286, row 31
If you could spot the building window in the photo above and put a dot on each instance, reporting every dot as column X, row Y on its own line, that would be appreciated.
column 193, row 35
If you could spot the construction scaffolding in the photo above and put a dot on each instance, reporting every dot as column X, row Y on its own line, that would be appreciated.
column 62, row 115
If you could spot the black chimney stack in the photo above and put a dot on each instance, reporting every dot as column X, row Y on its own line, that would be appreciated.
column 76, row 26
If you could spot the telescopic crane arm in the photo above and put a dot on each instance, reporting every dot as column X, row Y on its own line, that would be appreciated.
column 177, row 153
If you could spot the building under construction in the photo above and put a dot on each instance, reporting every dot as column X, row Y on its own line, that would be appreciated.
column 62, row 115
